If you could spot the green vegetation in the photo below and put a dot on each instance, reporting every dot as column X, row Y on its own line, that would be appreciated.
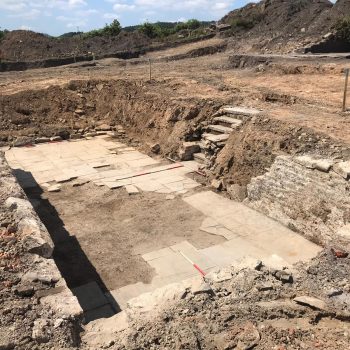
column 163, row 29
column 343, row 29
column 112, row 29
column 3, row 33
column 241, row 23
column 296, row 6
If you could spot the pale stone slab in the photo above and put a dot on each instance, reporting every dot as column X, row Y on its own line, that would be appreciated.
column 256, row 231
column 90, row 296
column 131, row 189
column 343, row 169
column 157, row 254
column 241, row 111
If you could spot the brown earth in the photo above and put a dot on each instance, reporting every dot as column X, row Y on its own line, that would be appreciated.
column 101, row 234
column 283, row 26
column 22, row 45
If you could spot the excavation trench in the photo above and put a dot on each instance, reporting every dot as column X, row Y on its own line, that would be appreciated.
column 109, row 244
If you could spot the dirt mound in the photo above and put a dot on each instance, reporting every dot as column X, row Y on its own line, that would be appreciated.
column 285, row 25
column 27, row 45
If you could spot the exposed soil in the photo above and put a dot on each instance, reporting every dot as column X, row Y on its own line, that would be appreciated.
column 22, row 45
column 100, row 234
column 283, row 26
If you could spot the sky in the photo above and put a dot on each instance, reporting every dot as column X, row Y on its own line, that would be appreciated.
column 56, row 17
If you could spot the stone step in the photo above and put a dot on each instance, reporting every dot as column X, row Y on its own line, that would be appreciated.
column 203, row 145
column 242, row 111
column 215, row 138
column 228, row 121
column 220, row 129
column 200, row 158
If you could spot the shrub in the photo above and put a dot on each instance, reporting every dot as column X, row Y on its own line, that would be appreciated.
column 3, row 33
column 296, row 6
column 112, row 29
column 343, row 29
column 242, row 23
column 150, row 30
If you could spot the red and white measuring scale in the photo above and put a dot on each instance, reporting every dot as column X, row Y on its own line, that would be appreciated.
column 193, row 264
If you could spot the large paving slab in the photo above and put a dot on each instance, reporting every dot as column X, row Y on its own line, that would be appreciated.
column 101, row 160
column 253, row 229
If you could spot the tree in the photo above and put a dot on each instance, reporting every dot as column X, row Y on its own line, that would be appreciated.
column 343, row 29
column 149, row 29
column 114, row 28
column 193, row 24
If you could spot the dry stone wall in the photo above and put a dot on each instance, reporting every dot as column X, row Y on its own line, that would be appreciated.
column 308, row 194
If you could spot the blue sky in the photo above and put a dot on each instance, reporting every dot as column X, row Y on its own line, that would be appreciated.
column 60, row 16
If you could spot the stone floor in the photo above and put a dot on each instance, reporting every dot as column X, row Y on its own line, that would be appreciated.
column 106, row 162
column 100, row 160
column 248, row 234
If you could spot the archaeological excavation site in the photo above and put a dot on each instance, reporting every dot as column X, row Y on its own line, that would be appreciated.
column 179, row 194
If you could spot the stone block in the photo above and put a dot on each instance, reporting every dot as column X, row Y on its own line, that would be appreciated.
column 237, row 192
column 188, row 150
column 343, row 169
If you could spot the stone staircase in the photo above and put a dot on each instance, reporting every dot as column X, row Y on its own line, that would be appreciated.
column 217, row 133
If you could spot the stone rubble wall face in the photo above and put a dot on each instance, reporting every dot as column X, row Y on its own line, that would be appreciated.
column 310, row 201
column 36, row 247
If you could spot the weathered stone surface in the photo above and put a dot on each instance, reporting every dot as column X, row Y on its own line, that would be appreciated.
column 237, row 192
column 56, row 138
column 42, row 140
column 311, row 301
column 79, row 111
column 249, row 338
column 64, row 304
column 54, row 188
column 188, row 150
column 343, row 169
column 172, row 115
column 131, row 189
column 299, row 196
column 23, row 141
column 36, row 239
column 76, row 136
column 39, row 332
column 155, row 148
column 217, row 184
column 221, row 275
column 103, row 332
column 284, row 276
column 190, row 113
column 104, row 127
column 201, row 287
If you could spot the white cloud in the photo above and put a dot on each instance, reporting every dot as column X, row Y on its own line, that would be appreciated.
column 31, row 14
column 110, row 15
column 123, row 7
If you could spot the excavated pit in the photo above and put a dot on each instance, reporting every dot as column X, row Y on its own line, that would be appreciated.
column 105, row 237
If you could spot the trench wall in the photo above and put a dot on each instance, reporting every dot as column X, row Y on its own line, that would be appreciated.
column 310, row 196
column 36, row 280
